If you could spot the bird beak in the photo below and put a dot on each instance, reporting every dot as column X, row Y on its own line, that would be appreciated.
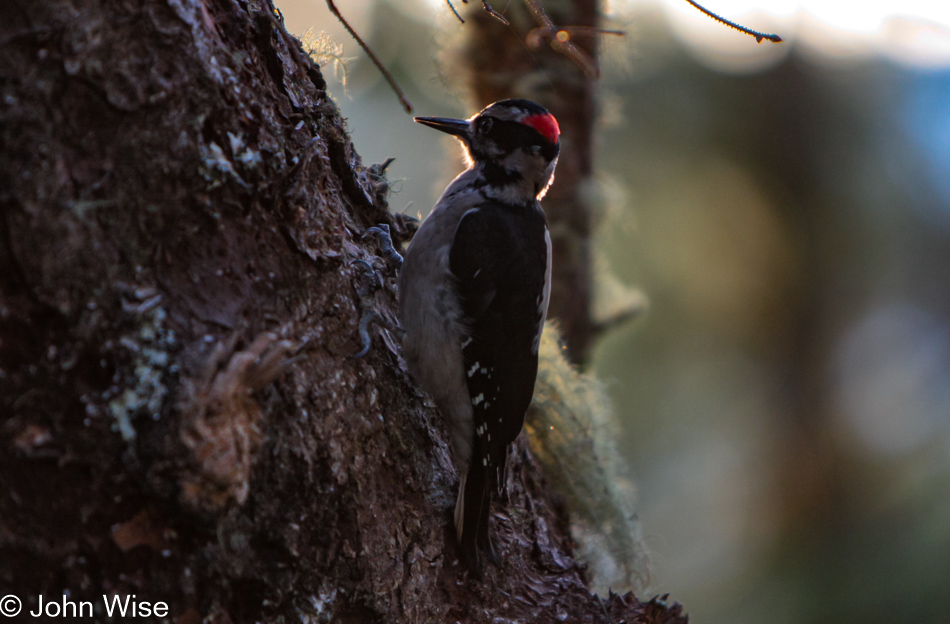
column 455, row 127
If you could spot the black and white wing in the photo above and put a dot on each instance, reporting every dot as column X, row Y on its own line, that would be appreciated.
column 500, row 259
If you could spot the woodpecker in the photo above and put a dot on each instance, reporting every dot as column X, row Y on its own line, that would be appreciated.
column 473, row 297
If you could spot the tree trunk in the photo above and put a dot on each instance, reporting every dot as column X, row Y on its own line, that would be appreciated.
column 182, row 422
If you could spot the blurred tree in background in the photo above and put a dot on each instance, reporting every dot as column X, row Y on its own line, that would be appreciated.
column 786, row 209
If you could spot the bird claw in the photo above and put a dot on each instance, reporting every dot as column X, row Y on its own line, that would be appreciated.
column 369, row 280
column 369, row 283
column 393, row 257
column 366, row 341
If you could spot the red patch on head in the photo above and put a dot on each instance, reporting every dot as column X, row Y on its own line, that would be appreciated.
column 546, row 124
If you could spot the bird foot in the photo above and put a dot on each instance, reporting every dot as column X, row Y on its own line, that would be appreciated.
column 393, row 257
column 369, row 282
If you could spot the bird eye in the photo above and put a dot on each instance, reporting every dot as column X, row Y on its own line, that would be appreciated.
column 535, row 149
column 484, row 125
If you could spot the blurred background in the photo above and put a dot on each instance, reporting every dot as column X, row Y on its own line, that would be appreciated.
column 785, row 402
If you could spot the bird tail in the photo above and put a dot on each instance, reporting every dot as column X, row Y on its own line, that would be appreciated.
column 472, row 517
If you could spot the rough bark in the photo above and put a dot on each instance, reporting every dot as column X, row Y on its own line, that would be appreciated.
column 181, row 210
column 502, row 65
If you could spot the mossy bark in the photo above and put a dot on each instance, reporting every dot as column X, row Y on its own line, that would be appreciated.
column 180, row 211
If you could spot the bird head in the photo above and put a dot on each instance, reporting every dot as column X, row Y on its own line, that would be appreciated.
column 512, row 143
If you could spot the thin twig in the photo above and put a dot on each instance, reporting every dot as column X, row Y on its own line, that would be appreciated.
column 534, row 36
column 389, row 78
column 590, row 31
column 758, row 36
column 491, row 11
column 452, row 6
column 560, row 36
column 565, row 46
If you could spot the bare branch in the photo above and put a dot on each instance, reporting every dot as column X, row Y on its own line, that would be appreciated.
column 491, row 11
column 758, row 36
column 560, row 37
column 561, row 40
column 566, row 33
column 452, row 6
column 379, row 65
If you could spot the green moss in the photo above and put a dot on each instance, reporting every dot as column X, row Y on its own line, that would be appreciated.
column 571, row 428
